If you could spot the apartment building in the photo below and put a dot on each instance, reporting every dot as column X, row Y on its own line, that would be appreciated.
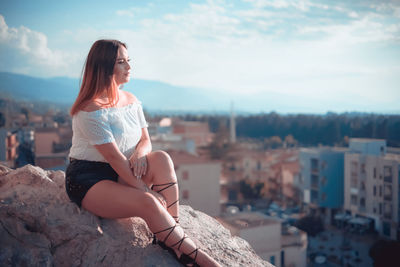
column 279, row 245
column 197, row 131
column 371, row 189
column 8, row 147
column 199, row 181
column 322, row 175
column 52, row 147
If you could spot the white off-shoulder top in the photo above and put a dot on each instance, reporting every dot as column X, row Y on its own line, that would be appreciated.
column 120, row 124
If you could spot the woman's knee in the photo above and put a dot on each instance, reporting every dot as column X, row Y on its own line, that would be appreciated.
column 162, row 157
column 150, row 204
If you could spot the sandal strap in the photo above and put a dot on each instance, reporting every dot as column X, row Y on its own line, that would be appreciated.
column 186, row 259
column 173, row 203
column 176, row 218
column 172, row 228
column 167, row 185
column 179, row 242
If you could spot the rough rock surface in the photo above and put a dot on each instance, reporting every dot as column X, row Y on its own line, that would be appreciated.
column 39, row 226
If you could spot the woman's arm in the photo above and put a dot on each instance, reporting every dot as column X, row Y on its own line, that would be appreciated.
column 144, row 146
column 138, row 160
column 120, row 164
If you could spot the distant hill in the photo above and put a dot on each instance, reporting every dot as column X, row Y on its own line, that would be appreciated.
column 22, row 87
column 156, row 96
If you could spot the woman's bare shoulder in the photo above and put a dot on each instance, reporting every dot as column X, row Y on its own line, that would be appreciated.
column 130, row 98
column 91, row 106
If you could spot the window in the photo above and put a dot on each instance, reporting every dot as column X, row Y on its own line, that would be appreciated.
column 380, row 208
column 353, row 199
column 314, row 165
column 363, row 168
column 387, row 174
column 374, row 190
column 386, row 229
column 185, row 175
column 387, row 192
column 362, row 202
column 272, row 260
column 374, row 172
column 362, row 185
column 380, row 190
column 185, row 194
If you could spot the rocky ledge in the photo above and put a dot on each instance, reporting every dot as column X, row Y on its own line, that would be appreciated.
column 39, row 226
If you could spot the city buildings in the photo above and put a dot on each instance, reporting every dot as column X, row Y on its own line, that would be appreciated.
column 278, row 244
column 52, row 147
column 371, row 189
column 276, row 169
column 322, row 171
column 8, row 147
column 199, row 181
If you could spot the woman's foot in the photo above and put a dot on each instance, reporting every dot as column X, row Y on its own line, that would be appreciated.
column 184, row 248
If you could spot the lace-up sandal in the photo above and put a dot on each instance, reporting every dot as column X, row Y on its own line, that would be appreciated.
column 176, row 218
column 185, row 259
column 166, row 186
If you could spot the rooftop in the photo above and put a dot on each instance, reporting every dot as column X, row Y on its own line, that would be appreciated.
column 243, row 220
column 366, row 140
column 182, row 157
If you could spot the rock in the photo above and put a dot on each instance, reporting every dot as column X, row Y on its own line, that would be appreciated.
column 39, row 226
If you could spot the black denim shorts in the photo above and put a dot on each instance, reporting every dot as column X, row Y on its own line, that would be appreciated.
column 81, row 175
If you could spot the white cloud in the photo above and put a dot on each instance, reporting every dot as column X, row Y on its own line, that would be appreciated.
column 32, row 50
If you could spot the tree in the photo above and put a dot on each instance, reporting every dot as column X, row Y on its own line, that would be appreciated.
column 2, row 119
column 251, row 192
column 312, row 225
column 220, row 147
column 385, row 253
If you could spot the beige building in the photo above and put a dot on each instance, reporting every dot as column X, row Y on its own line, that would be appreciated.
column 199, row 181
column 265, row 235
column 371, row 190
column 8, row 147
column 52, row 147
column 197, row 131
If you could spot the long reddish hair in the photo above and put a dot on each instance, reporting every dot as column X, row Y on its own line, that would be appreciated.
column 97, row 77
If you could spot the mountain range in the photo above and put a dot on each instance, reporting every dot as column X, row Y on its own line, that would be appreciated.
column 156, row 96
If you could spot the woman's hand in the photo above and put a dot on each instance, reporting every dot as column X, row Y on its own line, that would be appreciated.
column 159, row 197
column 138, row 164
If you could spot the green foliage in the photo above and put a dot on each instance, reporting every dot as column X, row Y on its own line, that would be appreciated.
column 312, row 225
column 249, row 191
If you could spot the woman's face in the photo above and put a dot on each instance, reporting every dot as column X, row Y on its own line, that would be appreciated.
column 122, row 69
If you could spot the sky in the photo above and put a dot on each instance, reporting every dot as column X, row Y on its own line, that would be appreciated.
column 314, row 56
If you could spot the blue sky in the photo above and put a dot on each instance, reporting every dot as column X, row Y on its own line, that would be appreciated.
column 316, row 56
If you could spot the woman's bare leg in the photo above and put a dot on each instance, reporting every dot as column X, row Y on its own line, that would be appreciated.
column 108, row 199
column 161, row 174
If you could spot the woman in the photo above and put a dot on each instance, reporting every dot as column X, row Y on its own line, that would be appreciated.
column 112, row 166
